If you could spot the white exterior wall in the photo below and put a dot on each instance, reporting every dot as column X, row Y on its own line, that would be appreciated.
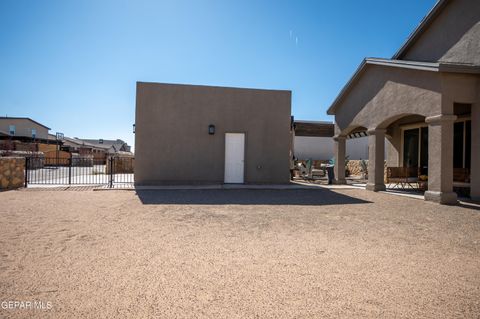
column 321, row 148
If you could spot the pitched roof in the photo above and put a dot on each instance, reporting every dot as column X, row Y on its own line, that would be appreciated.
column 420, row 29
column 415, row 65
column 2, row 133
column 23, row 118
column 83, row 143
column 116, row 145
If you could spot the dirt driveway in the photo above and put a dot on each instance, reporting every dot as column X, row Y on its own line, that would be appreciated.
column 236, row 254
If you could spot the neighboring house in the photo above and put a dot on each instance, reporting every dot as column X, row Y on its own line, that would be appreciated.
column 114, row 146
column 313, row 140
column 25, row 134
column 75, row 145
column 189, row 134
column 91, row 146
column 23, row 127
column 425, row 101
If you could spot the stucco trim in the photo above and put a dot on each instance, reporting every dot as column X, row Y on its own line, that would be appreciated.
column 376, row 131
column 337, row 138
column 459, row 68
column 211, row 86
column 440, row 119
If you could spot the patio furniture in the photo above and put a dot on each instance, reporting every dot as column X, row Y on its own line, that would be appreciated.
column 461, row 177
column 309, row 173
column 401, row 177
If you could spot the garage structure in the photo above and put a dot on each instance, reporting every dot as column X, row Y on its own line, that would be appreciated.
column 192, row 134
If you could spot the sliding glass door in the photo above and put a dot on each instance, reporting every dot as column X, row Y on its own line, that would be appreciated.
column 415, row 146
column 415, row 149
column 410, row 147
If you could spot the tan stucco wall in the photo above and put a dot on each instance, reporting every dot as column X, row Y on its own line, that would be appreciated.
column 172, row 144
column 385, row 93
column 454, row 36
column 23, row 127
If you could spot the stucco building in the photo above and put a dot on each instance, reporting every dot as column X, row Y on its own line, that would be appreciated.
column 425, row 101
column 190, row 134
column 23, row 127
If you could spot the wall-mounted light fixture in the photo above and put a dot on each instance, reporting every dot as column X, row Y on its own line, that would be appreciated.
column 133, row 128
column 211, row 129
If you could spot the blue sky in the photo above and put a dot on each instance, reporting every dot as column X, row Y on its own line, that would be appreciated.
column 72, row 65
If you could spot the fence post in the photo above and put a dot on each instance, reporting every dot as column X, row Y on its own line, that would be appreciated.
column 26, row 171
column 70, row 170
column 111, row 172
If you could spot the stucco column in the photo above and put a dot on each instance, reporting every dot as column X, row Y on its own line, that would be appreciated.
column 440, row 159
column 475, row 158
column 340, row 150
column 376, row 160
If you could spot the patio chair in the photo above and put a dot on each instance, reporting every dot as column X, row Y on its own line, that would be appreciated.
column 401, row 177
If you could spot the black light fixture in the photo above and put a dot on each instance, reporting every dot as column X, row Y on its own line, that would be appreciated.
column 211, row 129
column 133, row 128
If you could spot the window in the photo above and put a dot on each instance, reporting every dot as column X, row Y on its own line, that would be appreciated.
column 410, row 148
column 415, row 148
column 468, row 143
column 462, row 144
column 11, row 129
column 424, row 150
column 458, row 145
column 34, row 133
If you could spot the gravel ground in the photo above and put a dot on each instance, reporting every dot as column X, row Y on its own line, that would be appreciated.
column 237, row 254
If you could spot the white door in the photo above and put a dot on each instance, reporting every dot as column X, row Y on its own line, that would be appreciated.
column 234, row 157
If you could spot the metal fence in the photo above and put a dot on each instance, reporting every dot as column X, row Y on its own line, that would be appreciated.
column 111, row 172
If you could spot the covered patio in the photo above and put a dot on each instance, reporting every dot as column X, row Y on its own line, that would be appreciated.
column 422, row 119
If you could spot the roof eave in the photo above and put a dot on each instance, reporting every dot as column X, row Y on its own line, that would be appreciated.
column 459, row 68
column 331, row 109
column 426, row 21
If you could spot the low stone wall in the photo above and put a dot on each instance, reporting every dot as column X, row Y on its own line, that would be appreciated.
column 35, row 159
column 12, row 172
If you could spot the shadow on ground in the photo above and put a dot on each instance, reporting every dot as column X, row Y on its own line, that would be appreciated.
column 306, row 197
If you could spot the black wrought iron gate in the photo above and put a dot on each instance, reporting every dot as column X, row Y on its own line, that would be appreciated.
column 110, row 172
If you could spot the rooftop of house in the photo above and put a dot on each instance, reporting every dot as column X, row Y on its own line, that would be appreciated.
column 23, row 118
column 112, row 145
